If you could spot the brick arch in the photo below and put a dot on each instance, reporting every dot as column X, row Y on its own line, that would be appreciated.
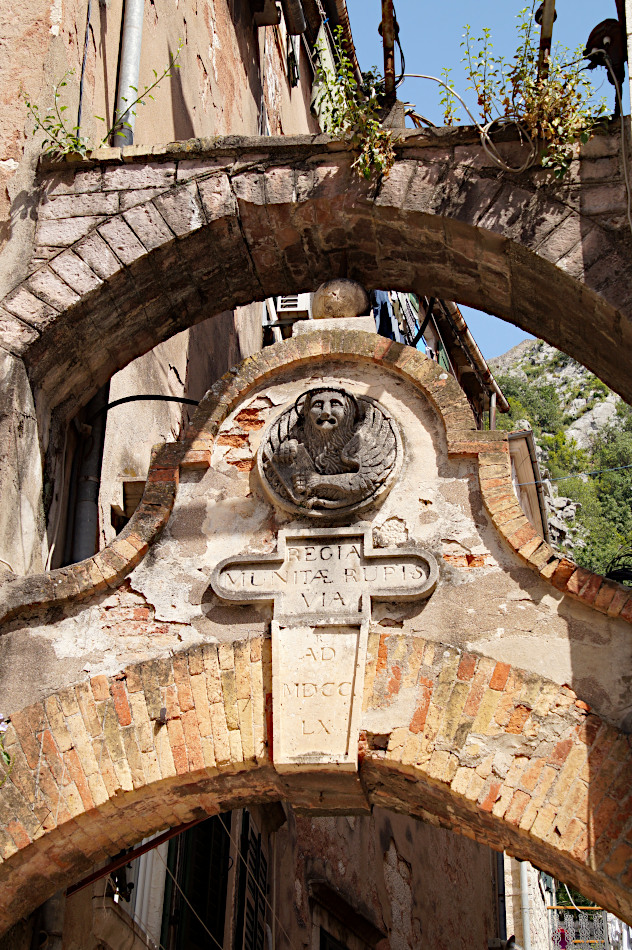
column 129, row 253
column 109, row 567
column 483, row 749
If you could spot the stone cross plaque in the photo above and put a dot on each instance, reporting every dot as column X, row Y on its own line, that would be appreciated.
column 321, row 582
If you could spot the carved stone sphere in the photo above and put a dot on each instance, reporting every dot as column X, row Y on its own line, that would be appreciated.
column 340, row 298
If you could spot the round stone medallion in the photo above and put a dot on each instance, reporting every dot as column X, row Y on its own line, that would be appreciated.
column 330, row 454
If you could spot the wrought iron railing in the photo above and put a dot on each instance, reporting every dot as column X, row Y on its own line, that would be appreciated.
column 578, row 928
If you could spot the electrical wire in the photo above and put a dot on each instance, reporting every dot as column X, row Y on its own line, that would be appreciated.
column 563, row 478
column 624, row 151
column 483, row 130
column 188, row 902
column 83, row 65
column 144, row 398
column 254, row 880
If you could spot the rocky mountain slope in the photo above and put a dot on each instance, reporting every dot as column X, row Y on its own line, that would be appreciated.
column 587, row 403
column 580, row 427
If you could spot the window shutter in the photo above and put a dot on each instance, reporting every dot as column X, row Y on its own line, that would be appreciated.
column 253, row 881
column 199, row 859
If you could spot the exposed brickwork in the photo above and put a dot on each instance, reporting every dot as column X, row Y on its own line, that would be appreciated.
column 131, row 246
column 110, row 566
column 489, row 751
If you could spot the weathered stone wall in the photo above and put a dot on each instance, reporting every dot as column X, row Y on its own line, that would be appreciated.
column 405, row 877
column 228, row 69
column 493, row 753
column 231, row 74
column 498, row 747
column 505, row 592
column 223, row 224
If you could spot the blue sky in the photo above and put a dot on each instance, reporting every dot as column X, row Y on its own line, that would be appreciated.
column 431, row 34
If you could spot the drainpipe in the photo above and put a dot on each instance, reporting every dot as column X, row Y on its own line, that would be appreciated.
column 388, row 39
column 502, row 898
column 524, row 903
column 294, row 17
column 492, row 411
column 49, row 932
column 545, row 17
column 627, row 18
column 86, row 512
column 129, row 70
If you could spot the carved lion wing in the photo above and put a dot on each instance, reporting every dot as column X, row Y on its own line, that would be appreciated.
column 373, row 447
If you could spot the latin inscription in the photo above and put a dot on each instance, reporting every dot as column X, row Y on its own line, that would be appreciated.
column 320, row 583
column 331, row 577
column 315, row 692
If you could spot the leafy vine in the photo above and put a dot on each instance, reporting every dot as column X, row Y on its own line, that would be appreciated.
column 350, row 109
column 555, row 110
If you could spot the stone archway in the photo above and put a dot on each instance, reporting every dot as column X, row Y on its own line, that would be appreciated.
column 129, row 253
column 475, row 746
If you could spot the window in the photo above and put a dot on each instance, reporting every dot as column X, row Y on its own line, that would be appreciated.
column 327, row 942
column 199, row 861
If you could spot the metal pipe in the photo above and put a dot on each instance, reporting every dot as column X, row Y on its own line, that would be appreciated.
column 546, row 34
column 502, row 897
column 51, row 922
column 342, row 15
column 388, row 39
column 627, row 17
column 86, row 515
column 492, row 411
column 524, row 904
column 294, row 16
column 477, row 356
column 129, row 856
column 129, row 71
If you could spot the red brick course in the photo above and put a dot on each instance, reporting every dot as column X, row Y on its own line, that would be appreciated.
column 96, row 769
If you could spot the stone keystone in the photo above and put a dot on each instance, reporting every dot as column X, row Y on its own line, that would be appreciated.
column 321, row 583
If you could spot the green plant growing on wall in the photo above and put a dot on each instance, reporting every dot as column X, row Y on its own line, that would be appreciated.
column 554, row 112
column 5, row 758
column 61, row 138
column 446, row 98
column 348, row 109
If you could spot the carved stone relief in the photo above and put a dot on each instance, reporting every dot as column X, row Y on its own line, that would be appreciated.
column 330, row 454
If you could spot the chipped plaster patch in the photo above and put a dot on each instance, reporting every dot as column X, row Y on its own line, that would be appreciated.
column 56, row 12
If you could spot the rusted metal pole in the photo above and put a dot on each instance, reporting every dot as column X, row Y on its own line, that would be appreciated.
column 388, row 39
column 546, row 33
column 124, row 859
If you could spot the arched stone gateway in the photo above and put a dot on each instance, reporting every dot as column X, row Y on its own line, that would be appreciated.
column 487, row 700
column 132, row 247
column 475, row 746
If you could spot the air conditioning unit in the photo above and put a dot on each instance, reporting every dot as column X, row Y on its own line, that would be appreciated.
column 294, row 307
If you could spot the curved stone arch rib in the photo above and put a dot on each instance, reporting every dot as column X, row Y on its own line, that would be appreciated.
column 110, row 566
column 235, row 220
column 489, row 751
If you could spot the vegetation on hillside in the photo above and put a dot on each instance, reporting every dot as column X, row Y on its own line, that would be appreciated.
column 600, row 483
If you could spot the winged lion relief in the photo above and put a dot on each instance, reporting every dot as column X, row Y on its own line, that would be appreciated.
column 330, row 454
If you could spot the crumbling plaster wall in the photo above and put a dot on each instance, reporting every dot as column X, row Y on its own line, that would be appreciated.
column 231, row 72
column 184, row 366
column 22, row 530
column 486, row 599
column 217, row 90
column 421, row 885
